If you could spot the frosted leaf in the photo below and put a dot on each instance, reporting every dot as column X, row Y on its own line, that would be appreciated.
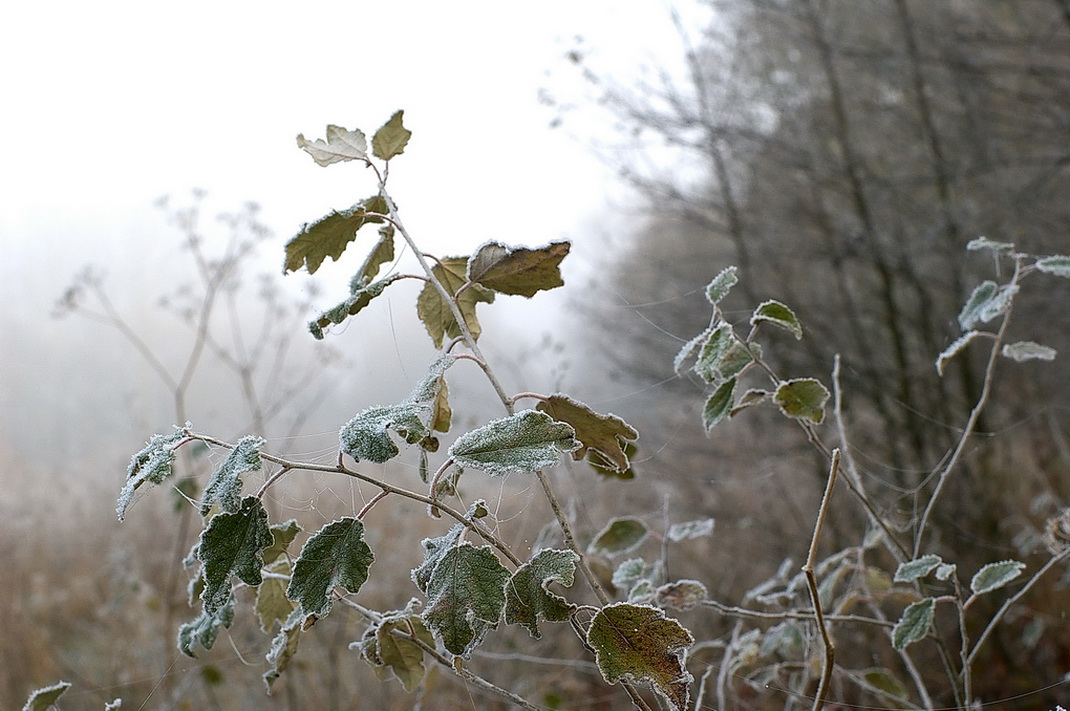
column 1027, row 350
column 998, row 304
column 283, row 648
column 225, row 486
column 341, row 145
column 204, row 630
column 970, row 315
column 713, row 351
column 334, row 556
column 995, row 575
column 914, row 624
column 690, row 529
column 688, row 349
column 606, row 434
column 465, row 596
column 721, row 284
column 683, row 594
column 232, row 546
column 518, row 270
column 953, row 350
column 919, row 567
column 639, row 643
column 525, row 442
column 803, row 398
column 985, row 243
column 528, row 596
column 634, row 571
column 152, row 464
column 366, row 436
column 1057, row 265
column 434, row 549
column 719, row 404
column 44, row 698
column 778, row 314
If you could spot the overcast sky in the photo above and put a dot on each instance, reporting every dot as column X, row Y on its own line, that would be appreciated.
column 109, row 105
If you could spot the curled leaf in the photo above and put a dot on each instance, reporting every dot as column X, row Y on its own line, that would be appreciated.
column 605, row 434
column 341, row 145
column 518, row 270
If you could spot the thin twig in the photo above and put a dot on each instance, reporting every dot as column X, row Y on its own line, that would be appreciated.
column 811, row 579
column 975, row 413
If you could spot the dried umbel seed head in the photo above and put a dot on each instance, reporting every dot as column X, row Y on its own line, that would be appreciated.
column 1057, row 532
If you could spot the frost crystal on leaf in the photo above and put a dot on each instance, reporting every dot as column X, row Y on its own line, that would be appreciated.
column 152, row 464
column 225, row 486
column 525, row 442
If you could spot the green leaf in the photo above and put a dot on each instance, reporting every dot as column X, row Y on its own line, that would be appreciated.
column 738, row 357
column 914, row 624
column 640, row 643
column 334, row 556
column 980, row 243
column 1027, row 350
column 518, row 270
column 954, row 349
column 465, row 596
column 524, row 442
column 329, row 236
column 435, row 313
column 282, row 535
column 803, row 398
column 683, row 594
column 41, row 699
column 283, row 648
column 995, row 575
column 605, row 434
column 718, row 404
column 390, row 645
column 713, row 351
column 919, row 567
column 690, row 529
column 434, row 550
column 391, row 139
column 528, row 596
column 721, row 284
column 620, row 535
column 231, row 545
column 1057, row 265
column 152, row 464
column 271, row 602
column 341, row 145
column 225, row 486
column 204, row 630
column 366, row 436
column 777, row 314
